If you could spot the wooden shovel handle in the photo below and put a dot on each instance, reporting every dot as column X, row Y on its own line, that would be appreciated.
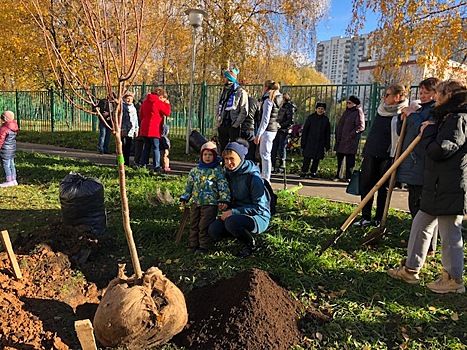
column 392, row 181
column 381, row 182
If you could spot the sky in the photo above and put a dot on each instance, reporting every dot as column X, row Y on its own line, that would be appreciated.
column 338, row 18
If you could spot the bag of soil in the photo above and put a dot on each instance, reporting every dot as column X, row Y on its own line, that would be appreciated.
column 82, row 202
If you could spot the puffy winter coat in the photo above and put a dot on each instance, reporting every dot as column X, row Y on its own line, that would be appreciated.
column 411, row 169
column 349, row 128
column 245, row 200
column 8, row 132
column 316, row 136
column 151, row 115
column 270, row 121
column 286, row 117
column 445, row 183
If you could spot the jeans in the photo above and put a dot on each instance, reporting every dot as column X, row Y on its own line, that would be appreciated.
column 421, row 234
column 104, row 138
column 265, row 147
column 279, row 146
column 8, row 166
column 148, row 142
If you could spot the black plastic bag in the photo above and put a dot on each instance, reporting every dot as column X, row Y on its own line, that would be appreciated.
column 82, row 202
column 196, row 140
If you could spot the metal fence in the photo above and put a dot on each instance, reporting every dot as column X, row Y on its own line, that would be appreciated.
column 51, row 111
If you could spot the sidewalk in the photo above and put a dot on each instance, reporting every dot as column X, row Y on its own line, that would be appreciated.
column 328, row 189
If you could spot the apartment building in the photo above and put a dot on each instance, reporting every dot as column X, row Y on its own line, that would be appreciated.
column 338, row 58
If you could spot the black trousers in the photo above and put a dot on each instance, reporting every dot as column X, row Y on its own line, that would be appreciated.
column 373, row 168
column 227, row 134
column 349, row 164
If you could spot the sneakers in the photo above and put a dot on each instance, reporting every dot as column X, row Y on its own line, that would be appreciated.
column 9, row 183
column 362, row 223
column 246, row 251
column 336, row 179
column 446, row 284
column 405, row 274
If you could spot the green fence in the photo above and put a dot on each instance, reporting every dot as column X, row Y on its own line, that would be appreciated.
column 51, row 111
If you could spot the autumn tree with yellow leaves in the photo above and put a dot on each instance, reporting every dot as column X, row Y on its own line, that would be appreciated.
column 249, row 34
column 434, row 30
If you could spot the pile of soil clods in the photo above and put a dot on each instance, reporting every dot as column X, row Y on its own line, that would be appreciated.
column 249, row 311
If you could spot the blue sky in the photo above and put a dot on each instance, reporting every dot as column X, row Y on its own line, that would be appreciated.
column 338, row 18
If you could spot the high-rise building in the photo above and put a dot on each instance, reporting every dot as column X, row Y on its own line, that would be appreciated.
column 338, row 58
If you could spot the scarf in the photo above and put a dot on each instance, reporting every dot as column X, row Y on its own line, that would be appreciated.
column 227, row 99
column 385, row 110
column 393, row 111
column 211, row 165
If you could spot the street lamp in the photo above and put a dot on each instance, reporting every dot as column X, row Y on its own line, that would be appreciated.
column 195, row 17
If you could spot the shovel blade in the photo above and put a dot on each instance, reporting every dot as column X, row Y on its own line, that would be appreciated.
column 331, row 240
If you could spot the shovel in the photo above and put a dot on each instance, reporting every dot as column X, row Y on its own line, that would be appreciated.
column 333, row 239
column 181, row 228
column 378, row 232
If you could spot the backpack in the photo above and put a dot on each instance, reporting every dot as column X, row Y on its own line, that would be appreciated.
column 271, row 197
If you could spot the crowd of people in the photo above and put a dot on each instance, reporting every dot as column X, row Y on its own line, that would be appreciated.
column 226, row 189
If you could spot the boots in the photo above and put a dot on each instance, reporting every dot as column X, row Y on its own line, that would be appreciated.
column 249, row 245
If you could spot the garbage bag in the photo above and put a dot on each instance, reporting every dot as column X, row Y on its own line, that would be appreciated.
column 82, row 202
column 197, row 140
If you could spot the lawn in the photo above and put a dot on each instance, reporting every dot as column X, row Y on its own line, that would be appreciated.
column 369, row 310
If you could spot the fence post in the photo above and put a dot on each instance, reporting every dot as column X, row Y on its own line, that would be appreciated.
column 143, row 89
column 202, row 109
column 374, row 103
column 94, row 117
column 52, row 114
column 18, row 118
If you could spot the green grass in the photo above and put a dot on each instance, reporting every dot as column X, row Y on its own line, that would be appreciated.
column 349, row 282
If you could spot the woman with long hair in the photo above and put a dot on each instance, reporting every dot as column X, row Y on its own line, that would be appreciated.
column 271, row 102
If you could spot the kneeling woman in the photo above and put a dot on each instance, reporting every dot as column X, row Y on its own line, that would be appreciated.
column 249, row 210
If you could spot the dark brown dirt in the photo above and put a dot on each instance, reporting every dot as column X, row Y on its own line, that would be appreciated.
column 65, row 268
column 249, row 311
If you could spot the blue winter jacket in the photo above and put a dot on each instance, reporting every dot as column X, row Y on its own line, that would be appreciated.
column 411, row 169
column 245, row 200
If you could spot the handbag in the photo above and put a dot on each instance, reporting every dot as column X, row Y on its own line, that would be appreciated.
column 354, row 185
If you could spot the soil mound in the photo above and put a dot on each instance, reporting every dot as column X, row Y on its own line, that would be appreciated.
column 249, row 311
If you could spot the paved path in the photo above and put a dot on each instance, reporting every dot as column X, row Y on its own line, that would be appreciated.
column 311, row 187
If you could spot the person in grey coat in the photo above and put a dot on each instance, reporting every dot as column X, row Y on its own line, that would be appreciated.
column 349, row 128
column 316, row 139
column 411, row 169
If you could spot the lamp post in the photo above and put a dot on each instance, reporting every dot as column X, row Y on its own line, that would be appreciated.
column 195, row 17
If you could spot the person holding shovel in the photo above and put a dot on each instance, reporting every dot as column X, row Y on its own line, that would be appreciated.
column 411, row 169
column 379, row 150
column 444, row 194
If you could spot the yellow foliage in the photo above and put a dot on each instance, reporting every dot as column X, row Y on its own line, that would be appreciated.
column 434, row 30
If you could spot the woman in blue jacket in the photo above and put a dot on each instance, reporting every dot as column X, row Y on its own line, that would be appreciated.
column 249, row 212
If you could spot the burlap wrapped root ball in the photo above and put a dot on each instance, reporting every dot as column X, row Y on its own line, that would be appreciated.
column 140, row 316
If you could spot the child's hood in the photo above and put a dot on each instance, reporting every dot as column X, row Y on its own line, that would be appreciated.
column 12, row 125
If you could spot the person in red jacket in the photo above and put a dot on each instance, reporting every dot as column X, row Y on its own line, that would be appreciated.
column 152, row 112
column 8, row 131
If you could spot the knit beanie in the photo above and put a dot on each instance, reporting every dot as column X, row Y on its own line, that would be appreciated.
column 8, row 116
column 231, row 74
column 238, row 148
column 354, row 99
column 321, row 104
column 210, row 146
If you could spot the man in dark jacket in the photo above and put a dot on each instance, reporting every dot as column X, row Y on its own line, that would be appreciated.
column 249, row 126
column 286, row 120
column 106, row 108
column 232, row 108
